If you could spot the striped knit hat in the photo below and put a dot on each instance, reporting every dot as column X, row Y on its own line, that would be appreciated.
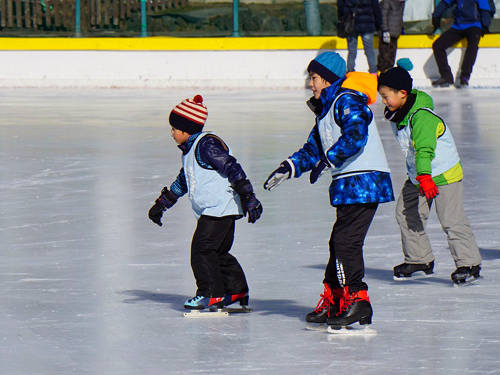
column 189, row 116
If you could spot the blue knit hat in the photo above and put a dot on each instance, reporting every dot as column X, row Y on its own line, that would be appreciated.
column 329, row 65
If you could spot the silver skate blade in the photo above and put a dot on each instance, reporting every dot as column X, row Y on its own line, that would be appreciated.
column 219, row 313
column 320, row 327
column 419, row 275
column 352, row 331
column 469, row 281
column 242, row 309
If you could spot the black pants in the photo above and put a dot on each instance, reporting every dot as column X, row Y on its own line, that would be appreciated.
column 346, row 265
column 216, row 271
column 386, row 54
column 449, row 38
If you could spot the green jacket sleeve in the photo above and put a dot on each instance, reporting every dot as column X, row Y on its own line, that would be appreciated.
column 426, row 128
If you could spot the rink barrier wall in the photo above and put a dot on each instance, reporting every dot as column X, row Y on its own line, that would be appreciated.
column 221, row 63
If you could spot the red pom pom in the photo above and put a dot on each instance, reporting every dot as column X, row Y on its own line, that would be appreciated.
column 198, row 99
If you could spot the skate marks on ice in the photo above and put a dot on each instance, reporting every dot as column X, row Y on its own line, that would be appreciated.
column 361, row 330
column 217, row 313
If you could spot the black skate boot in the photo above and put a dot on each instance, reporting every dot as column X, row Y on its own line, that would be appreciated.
column 327, row 305
column 406, row 270
column 354, row 307
column 461, row 274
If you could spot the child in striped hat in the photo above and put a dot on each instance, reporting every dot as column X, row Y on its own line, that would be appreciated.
column 220, row 193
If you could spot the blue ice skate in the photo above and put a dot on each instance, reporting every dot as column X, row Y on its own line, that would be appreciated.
column 200, row 303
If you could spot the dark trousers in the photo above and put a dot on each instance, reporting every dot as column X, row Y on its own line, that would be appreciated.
column 346, row 265
column 449, row 38
column 216, row 271
column 386, row 54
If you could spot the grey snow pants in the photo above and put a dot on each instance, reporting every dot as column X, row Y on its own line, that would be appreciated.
column 412, row 212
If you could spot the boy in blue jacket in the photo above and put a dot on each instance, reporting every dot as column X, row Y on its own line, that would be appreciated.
column 345, row 142
column 220, row 193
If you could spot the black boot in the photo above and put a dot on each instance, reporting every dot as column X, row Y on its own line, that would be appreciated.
column 407, row 269
column 355, row 307
column 442, row 82
column 461, row 274
column 327, row 305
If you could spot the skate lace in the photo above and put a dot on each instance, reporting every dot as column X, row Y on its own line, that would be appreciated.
column 346, row 302
column 324, row 302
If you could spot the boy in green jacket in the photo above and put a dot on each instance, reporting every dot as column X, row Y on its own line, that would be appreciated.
column 435, row 175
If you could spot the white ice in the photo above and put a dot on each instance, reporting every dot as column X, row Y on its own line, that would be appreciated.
column 89, row 285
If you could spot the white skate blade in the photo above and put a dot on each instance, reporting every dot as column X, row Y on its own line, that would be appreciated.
column 219, row 313
column 469, row 281
column 319, row 327
column 419, row 275
column 352, row 331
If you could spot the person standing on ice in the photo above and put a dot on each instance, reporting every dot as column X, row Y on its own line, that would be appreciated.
column 434, row 175
column 220, row 193
column 346, row 142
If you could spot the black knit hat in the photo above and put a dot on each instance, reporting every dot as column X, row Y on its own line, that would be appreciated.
column 398, row 77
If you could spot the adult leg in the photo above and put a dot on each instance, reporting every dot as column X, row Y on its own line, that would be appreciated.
column 473, row 35
column 352, row 50
column 208, row 238
column 367, row 40
column 412, row 211
column 455, row 224
column 387, row 54
column 447, row 39
column 348, row 236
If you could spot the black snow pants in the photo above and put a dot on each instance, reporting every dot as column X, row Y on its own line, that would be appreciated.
column 346, row 265
column 216, row 271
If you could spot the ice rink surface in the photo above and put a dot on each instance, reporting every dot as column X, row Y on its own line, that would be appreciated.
column 91, row 286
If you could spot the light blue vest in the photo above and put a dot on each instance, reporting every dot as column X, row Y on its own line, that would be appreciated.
column 445, row 154
column 369, row 158
column 210, row 193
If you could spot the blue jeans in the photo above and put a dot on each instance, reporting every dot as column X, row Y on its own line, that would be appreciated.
column 352, row 48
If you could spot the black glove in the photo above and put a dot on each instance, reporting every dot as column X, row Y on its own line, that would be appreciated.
column 166, row 200
column 321, row 166
column 156, row 212
column 485, row 30
column 278, row 176
column 250, row 203
column 436, row 23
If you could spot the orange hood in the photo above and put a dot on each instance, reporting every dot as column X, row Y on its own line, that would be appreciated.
column 362, row 82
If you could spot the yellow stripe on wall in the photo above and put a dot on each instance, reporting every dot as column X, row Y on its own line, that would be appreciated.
column 212, row 44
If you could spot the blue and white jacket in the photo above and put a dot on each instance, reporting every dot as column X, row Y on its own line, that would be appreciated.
column 347, row 135
column 208, row 173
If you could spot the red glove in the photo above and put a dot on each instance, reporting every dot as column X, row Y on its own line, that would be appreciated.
column 427, row 186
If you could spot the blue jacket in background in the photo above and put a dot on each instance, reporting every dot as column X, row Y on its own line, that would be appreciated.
column 468, row 13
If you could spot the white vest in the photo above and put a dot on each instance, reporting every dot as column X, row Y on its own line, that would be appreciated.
column 210, row 193
column 370, row 158
column 445, row 154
